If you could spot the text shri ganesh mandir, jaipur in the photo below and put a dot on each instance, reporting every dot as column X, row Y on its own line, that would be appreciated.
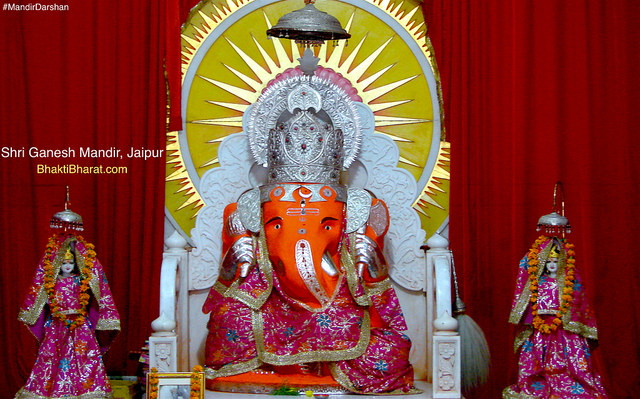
column 82, row 152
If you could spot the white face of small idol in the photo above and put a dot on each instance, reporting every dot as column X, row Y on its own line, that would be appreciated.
column 552, row 265
column 67, row 266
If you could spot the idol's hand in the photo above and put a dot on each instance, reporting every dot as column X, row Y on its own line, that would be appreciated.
column 370, row 262
column 237, row 260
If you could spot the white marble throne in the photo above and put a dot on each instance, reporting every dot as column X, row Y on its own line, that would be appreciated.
column 422, row 282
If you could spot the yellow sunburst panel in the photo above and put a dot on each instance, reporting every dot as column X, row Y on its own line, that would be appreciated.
column 241, row 61
column 433, row 202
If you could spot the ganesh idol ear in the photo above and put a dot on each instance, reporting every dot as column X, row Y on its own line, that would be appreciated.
column 378, row 218
column 358, row 208
column 249, row 210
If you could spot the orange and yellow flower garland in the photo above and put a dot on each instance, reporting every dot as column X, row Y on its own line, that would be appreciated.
column 195, row 381
column 567, row 296
column 153, row 381
column 85, row 277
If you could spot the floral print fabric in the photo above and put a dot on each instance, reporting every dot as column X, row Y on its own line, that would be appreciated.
column 283, row 331
column 555, row 365
column 69, row 362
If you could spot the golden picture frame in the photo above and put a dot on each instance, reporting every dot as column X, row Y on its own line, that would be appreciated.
column 186, row 384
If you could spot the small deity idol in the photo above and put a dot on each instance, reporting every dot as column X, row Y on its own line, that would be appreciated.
column 557, row 327
column 70, row 311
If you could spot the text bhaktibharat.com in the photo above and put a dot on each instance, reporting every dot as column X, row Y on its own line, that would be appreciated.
column 79, row 169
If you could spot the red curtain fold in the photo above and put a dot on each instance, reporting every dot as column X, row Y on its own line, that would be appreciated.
column 536, row 92
column 89, row 76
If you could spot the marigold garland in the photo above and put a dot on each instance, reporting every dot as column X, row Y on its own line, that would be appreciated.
column 85, row 276
column 567, row 294
column 153, row 383
column 196, row 381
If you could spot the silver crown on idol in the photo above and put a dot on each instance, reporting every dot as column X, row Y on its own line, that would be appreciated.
column 304, row 129
column 554, row 222
column 67, row 219
column 305, row 148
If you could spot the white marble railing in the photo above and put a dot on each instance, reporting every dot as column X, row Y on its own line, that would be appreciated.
column 170, row 330
column 444, row 341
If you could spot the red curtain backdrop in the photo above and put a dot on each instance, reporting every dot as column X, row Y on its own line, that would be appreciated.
column 536, row 92
column 90, row 76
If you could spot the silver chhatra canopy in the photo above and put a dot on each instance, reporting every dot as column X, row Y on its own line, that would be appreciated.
column 67, row 219
column 308, row 26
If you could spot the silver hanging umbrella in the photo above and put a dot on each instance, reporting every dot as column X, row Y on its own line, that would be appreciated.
column 308, row 26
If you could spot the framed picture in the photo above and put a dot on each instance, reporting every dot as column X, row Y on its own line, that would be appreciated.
column 183, row 385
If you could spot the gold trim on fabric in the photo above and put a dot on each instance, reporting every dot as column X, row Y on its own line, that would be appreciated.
column 524, row 298
column 379, row 287
column 581, row 329
column 342, row 379
column 264, row 264
column 347, row 256
column 108, row 324
column 94, row 282
column 223, row 289
column 314, row 356
column 522, row 337
column 326, row 305
column 548, row 311
column 57, row 260
column 30, row 316
column 232, row 369
column 24, row 394
column 508, row 393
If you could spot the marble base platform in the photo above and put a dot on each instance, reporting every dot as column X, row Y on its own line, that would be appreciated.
column 422, row 385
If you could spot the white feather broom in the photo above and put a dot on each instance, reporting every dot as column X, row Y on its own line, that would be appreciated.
column 475, row 355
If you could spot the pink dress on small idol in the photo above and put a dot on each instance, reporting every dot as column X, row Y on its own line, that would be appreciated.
column 554, row 365
column 69, row 362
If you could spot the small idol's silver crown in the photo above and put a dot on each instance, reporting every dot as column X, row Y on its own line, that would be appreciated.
column 305, row 148
column 554, row 223
column 67, row 219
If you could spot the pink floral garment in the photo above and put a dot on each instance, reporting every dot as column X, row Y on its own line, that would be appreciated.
column 283, row 332
column 69, row 360
column 555, row 365
column 69, row 363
